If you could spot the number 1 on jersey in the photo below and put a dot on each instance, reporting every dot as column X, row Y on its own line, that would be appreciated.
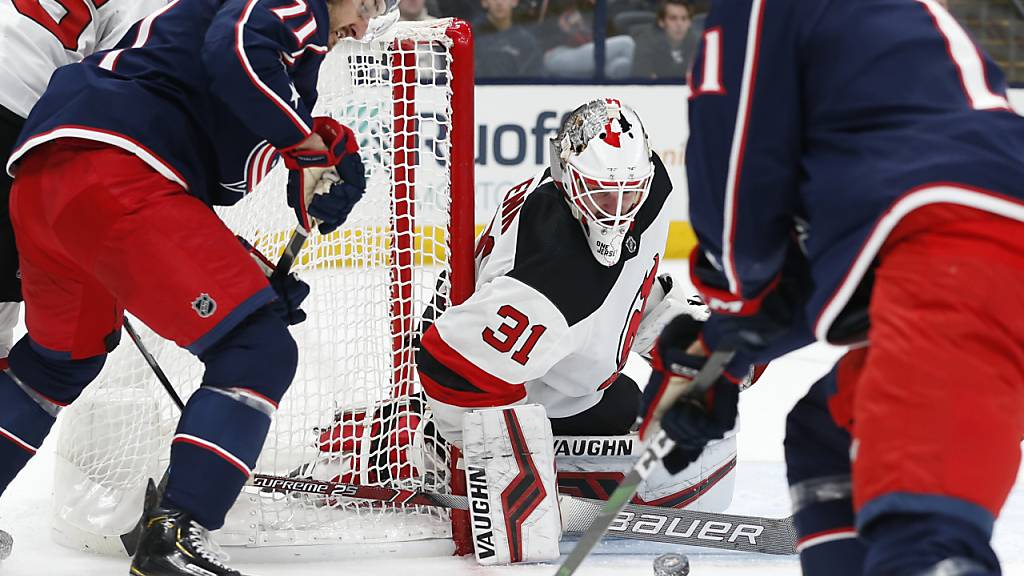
column 509, row 333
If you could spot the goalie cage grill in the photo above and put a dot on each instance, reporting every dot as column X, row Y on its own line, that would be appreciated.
column 409, row 98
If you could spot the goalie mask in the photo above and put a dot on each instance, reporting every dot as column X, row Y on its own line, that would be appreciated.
column 602, row 161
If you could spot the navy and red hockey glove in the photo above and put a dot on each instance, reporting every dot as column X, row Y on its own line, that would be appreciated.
column 325, row 185
column 690, row 422
column 291, row 290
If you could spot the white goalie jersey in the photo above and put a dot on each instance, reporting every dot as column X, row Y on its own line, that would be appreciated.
column 547, row 323
column 43, row 35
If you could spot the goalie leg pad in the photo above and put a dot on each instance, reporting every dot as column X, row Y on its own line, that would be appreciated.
column 32, row 392
column 510, row 474
column 223, row 427
column 593, row 466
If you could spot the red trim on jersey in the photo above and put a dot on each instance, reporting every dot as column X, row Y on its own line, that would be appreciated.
column 83, row 133
column 724, row 302
column 292, row 115
column 825, row 536
column 18, row 441
column 256, row 395
column 736, row 169
column 215, row 449
column 463, row 399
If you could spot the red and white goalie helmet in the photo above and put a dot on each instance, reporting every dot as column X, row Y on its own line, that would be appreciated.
column 602, row 160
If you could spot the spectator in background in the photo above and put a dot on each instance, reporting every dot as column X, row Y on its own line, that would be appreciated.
column 662, row 53
column 468, row 10
column 502, row 49
column 570, row 41
column 414, row 11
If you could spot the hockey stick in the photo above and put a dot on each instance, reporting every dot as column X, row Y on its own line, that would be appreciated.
column 634, row 521
column 659, row 446
column 130, row 540
column 164, row 381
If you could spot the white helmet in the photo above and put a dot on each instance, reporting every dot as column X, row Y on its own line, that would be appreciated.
column 381, row 18
column 602, row 161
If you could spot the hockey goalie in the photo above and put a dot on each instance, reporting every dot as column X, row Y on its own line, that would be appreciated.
column 526, row 375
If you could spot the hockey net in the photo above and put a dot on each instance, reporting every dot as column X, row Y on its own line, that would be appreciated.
column 352, row 413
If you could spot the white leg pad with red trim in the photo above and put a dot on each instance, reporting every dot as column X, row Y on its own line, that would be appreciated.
column 591, row 467
column 510, row 474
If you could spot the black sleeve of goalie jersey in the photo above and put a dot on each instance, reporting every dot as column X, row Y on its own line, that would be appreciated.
column 554, row 258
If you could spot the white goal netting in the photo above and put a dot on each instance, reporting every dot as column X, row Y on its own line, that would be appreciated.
column 352, row 413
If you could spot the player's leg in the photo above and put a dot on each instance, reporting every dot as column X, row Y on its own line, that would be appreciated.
column 70, row 318
column 939, row 409
column 184, row 274
column 591, row 456
column 167, row 257
column 818, row 468
column 614, row 414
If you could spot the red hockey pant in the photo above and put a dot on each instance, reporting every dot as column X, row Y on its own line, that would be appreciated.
column 936, row 402
column 99, row 230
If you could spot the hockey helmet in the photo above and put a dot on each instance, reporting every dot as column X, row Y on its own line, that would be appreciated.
column 385, row 17
column 601, row 159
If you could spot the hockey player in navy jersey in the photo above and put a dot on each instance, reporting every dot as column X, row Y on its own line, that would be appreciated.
column 856, row 177
column 116, row 169
column 35, row 44
column 567, row 285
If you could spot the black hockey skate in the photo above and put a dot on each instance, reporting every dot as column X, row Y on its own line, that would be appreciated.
column 175, row 545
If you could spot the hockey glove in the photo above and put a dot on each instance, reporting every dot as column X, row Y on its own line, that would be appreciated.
column 325, row 184
column 690, row 422
column 776, row 310
column 291, row 291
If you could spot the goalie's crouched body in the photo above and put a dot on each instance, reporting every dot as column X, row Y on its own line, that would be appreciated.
column 567, row 286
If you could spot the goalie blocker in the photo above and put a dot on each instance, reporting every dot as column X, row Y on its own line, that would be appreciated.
column 510, row 476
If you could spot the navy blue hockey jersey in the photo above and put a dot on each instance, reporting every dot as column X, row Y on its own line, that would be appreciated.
column 821, row 124
column 204, row 91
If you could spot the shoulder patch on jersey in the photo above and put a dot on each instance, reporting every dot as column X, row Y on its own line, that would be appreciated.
column 552, row 255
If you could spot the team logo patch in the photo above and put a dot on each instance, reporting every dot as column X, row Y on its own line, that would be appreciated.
column 204, row 305
column 631, row 245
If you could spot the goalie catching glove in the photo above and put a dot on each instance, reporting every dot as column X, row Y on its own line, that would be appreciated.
column 291, row 291
column 690, row 422
column 510, row 475
column 325, row 185
column 667, row 300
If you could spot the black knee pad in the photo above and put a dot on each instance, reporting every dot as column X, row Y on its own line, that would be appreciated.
column 53, row 374
column 259, row 354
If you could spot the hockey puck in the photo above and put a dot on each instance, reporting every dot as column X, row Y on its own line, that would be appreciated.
column 6, row 543
column 671, row 565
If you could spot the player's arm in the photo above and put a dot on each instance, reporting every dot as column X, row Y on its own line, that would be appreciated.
column 245, row 52
column 743, row 156
column 480, row 353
